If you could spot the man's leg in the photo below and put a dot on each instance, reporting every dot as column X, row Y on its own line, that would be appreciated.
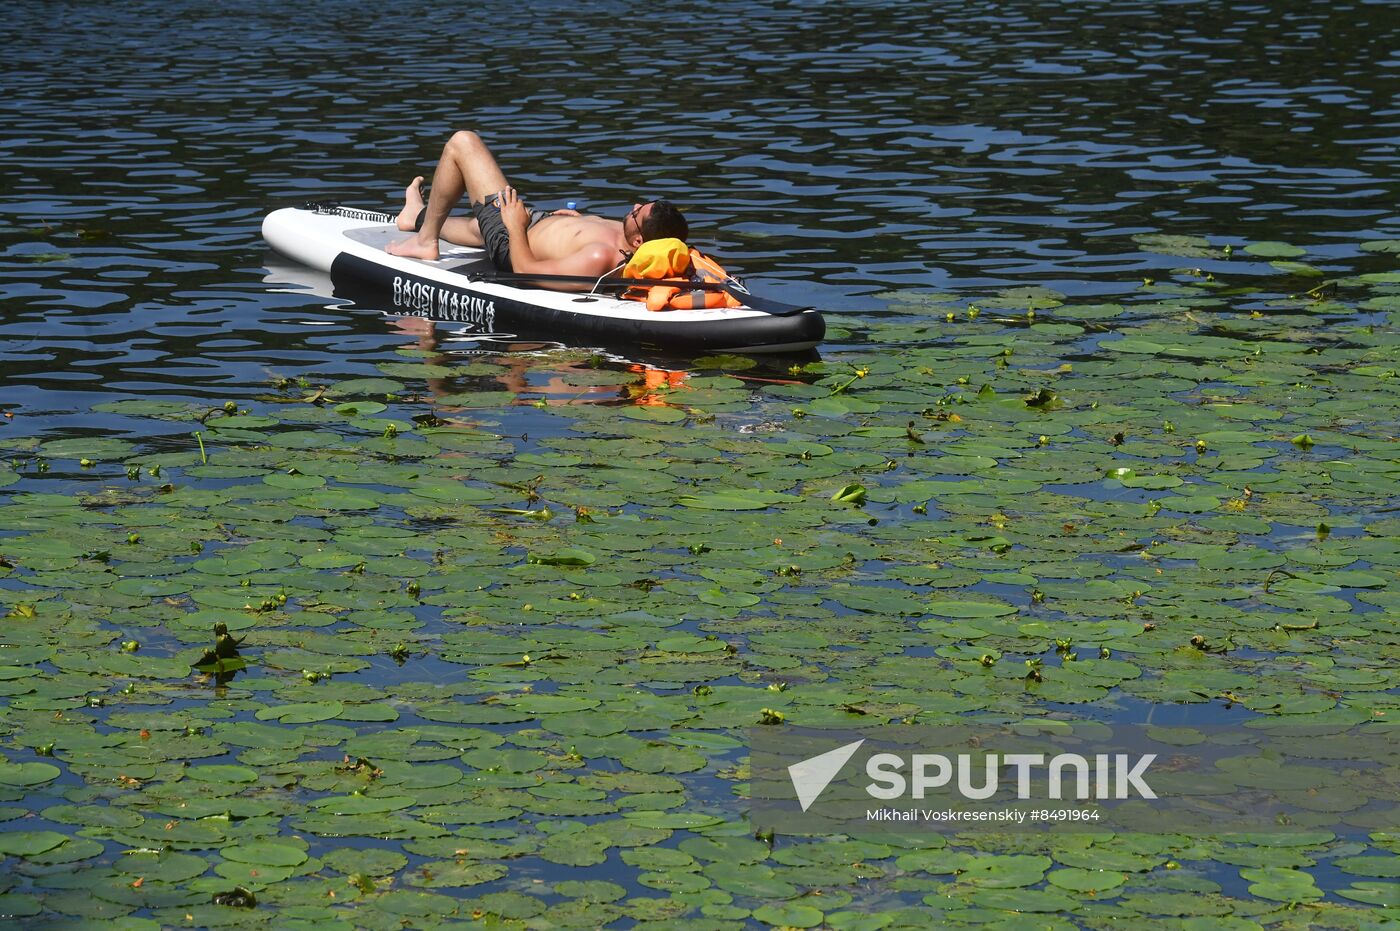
column 461, row 231
column 466, row 167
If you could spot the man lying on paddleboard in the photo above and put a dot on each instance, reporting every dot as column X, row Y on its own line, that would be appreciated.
column 516, row 239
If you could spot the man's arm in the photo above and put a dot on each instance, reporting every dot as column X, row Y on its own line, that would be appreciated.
column 592, row 260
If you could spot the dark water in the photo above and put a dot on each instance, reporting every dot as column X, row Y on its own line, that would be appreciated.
column 835, row 153
column 831, row 151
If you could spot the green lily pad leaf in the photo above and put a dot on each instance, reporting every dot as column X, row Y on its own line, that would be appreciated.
column 504, row 760
column 1274, row 250
column 1387, row 867
column 1151, row 482
column 456, row 874
column 755, row 880
column 592, row 890
column 1024, row 900
column 248, row 873
column 1386, row 895
column 367, row 861
column 258, row 736
column 565, row 557
column 553, row 704
column 336, row 499
column 1301, row 269
column 477, row 399
column 1134, row 344
column 19, row 905
column 1195, row 247
column 27, row 843
column 330, row 559
column 734, row 500
column 93, row 816
column 789, row 915
column 28, row 774
column 657, row 414
column 1004, row 871
column 1174, row 904
column 1190, row 504
column 673, row 820
column 688, row 643
column 574, row 850
column 724, row 599
column 510, row 905
column 301, row 712
column 364, row 386
column 450, row 492
column 658, row 858
column 418, row 776
column 72, row 850
column 970, row 609
column 1079, row 880
column 850, row 494
column 859, row 921
column 1281, row 884
column 663, row 759
column 879, row 600
column 363, row 804
column 265, row 853
column 413, row 370
column 88, row 448
column 360, row 408
column 241, row 422
column 161, row 866
column 297, row 482
column 221, row 773
column 376, row 711
column 146, row 407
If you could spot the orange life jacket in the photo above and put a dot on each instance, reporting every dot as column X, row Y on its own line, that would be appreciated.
column 671, row 258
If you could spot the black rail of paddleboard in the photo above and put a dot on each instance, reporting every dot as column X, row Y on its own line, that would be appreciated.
column 368, row 282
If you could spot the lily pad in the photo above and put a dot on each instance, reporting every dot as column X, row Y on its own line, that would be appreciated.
column 1274, row 250
column 28, row 774
column 265, row 853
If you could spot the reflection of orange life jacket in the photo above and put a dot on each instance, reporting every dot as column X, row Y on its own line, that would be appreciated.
column 654, row 384
column 671, row 258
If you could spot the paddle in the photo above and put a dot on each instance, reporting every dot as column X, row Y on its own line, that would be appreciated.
column 753, row 302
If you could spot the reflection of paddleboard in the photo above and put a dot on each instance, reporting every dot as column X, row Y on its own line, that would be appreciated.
column 295, row 278
column 349, row 244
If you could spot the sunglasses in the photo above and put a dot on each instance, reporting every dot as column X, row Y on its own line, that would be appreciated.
column 632, row 215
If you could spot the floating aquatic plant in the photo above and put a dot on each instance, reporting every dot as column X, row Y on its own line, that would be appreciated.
column 349, row 658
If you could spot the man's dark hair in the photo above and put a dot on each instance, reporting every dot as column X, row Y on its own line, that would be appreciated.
column 664, row 221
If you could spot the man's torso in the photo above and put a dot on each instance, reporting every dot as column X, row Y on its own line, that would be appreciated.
column 559, row 236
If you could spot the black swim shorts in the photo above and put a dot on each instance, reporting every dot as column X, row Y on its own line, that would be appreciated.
column 493, row 231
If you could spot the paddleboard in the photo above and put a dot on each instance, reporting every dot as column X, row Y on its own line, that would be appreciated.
column 349, row 245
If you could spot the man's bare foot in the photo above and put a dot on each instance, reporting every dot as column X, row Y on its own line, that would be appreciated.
column 413, row 248
column 412, row 205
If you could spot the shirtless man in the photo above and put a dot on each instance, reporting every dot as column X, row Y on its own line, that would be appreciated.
column 517, row 239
